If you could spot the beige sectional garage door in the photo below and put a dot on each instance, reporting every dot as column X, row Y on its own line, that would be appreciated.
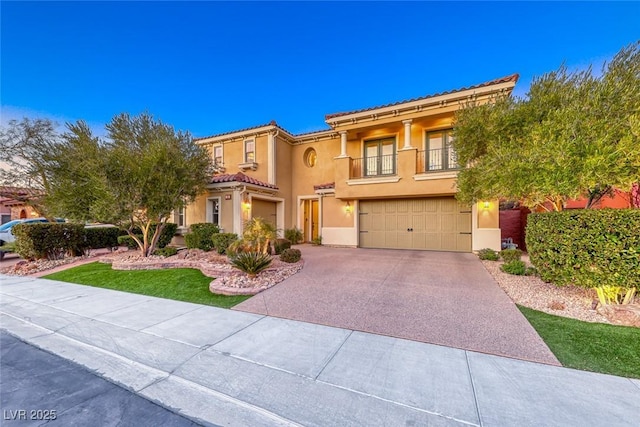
column 438, row 223
column 264, row 209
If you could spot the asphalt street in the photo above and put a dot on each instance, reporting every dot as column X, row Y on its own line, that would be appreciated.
column 37, row 387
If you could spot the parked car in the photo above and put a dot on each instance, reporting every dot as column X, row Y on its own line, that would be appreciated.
column 5, row 230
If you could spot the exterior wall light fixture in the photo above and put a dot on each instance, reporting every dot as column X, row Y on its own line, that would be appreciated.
column 348, row 209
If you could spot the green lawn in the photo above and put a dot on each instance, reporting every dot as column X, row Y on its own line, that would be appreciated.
column 596, row 347
column 182, row 284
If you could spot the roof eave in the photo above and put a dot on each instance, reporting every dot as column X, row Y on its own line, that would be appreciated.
column 413, row 106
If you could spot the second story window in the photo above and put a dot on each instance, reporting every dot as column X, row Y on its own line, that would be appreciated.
column 217, row 155
column 380, row 157
column 439, row 153
column 250, row 151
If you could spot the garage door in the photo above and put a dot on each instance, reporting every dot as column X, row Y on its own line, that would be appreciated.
column 265, row 210
column 439, row 224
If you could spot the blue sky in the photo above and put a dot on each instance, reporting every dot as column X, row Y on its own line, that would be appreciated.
column 211, row 67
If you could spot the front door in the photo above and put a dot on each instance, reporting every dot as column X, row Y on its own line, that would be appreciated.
column 311, row 225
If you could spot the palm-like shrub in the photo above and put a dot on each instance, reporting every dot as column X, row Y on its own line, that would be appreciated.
column 251, row 263
column 258, row 235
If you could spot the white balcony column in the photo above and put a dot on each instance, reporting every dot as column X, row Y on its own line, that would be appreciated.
column 407, row 134
column 343, row 143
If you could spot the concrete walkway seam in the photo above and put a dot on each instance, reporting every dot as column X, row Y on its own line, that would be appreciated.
column 473, row 388
column 394, row 402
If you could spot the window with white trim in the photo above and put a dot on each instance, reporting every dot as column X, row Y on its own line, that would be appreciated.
column 213, row 210
column 180, row 217
column 250, row 151
column 217, row 155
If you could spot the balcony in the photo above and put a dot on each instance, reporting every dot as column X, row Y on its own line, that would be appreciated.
column 436, row 160
column 375, row 166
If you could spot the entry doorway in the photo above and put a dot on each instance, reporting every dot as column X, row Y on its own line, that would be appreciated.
column 311, row 223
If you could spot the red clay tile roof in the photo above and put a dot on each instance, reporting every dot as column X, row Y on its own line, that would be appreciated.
column 327, row 186
column 240, row 177
column 271, row 123
column 511, row 78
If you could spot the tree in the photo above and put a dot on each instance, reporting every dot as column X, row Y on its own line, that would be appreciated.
column 136, row 178
column 573, row 135
column 26, row 149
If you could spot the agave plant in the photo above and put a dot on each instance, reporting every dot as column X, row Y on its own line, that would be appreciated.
column 251, row 263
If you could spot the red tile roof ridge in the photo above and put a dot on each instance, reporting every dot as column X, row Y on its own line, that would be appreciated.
column 241, row 177
column 271, row 123
column 509, row 78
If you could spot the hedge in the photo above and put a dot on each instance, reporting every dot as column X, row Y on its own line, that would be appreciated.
column 101, row 237
column 200, row 236
column 587, row 248
column 49, row 240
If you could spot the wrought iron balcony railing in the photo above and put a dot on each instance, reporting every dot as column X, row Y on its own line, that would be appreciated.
column 436, row 160
column 367, row 167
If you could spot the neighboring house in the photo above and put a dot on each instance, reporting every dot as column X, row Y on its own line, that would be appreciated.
column 380, row 177
column 13, row 203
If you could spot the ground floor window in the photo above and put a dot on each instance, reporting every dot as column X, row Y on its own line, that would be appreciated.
column 213, row 210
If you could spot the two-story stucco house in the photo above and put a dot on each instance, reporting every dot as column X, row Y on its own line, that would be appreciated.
column 379, row 177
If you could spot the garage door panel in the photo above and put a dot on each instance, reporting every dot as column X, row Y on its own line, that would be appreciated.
column 463, row 222
column 436, row 224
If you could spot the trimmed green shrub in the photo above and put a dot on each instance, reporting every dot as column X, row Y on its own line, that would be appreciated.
column 170, row 229
column 281, row 244
column 128, row 241
column 294, row 235
column 167, row 251
column 531, row 271
column 101, row 237
column 200, row 234
column 516, row 267
column 222, row 241
column 251, row 263
column 587, row 247
column 291, row 255
column 48, row 240
column 509, row 255
column 488, row 254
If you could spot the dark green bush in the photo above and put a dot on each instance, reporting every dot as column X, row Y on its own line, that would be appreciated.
column 531, row 271
column 294, row 235
column 290, row 255
column 200, row 234
column 221, row 241
column 516, row 267
column 251, row 263
column 488, row 254
column 167, row 234
column 509, row 255
column 49, row 240
column 167, row 251
column 128, row 241
column 101, row 237
column 586, row 247
column 281, row 244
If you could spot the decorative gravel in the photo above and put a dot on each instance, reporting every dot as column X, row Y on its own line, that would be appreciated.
column 533, row 292
column 228, row 280
column 26, row 268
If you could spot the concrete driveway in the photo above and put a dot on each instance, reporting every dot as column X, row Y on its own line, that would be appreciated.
column 442, row 298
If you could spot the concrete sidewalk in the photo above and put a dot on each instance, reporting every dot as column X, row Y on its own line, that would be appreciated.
column 218, row 366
